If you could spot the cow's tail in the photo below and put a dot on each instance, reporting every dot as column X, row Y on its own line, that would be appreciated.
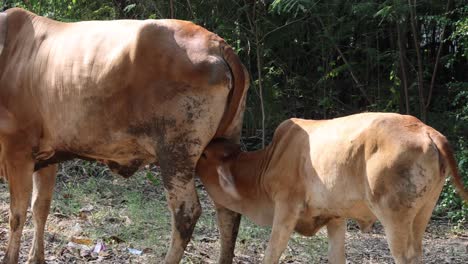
column 448, row 158
column 236, row 98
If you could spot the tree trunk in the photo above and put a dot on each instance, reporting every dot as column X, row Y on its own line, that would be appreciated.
column 417, row 48
column 171, row 5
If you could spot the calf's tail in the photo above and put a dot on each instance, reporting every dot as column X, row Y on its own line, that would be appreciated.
column 447, row 155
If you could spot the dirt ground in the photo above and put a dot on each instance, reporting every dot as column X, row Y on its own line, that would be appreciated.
column 72, row 236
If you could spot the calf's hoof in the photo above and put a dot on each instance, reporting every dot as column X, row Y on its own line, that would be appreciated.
column 7, row 260
column 226, row 259
column 36, row 261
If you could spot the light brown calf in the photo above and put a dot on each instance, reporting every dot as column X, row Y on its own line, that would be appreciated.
column 126, row 93
column 365, row 167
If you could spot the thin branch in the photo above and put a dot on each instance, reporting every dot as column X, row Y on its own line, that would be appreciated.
column 171, row 4
column 401, row 54
column 436, row 63
column 260, row 88
column 252, row 28
column 378, row 66
column 259, row 68
column 190, row 9
column 348, row 66
column 258, row 48
column 281, row 27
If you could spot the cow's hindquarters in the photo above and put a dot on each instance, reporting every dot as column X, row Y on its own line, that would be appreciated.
column 404, row 210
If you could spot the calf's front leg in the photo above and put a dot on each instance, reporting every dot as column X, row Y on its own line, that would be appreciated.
column 284, row 222
column 228, row 225
column 19, row 173
column 43, row 187
column 336, row 229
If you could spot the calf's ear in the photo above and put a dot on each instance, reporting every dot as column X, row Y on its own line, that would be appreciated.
column 3, row 30
column 7, row 121
column 226, row 181
column 231, row 149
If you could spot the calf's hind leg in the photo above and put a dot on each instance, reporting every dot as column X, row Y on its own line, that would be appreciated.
column 43, row 187
column 399, row 234
column 421, row 221
column 19, row 172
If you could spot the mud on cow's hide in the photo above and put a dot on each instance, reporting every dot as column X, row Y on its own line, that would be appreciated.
column 176, row 140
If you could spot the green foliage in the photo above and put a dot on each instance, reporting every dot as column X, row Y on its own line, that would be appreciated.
column 293, row 7
column 460, row 34
column 460, row 104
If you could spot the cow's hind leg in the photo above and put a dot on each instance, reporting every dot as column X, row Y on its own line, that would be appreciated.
column 44, row 182
column 178, row 162
column 19, row 172
column 228, row 225
column 185, row 208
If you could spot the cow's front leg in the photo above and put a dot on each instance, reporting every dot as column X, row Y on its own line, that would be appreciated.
column 44, row 182
column 19, row 171
column 284, row 222
column 185, row 208
column 336, row 230
column 228, row 225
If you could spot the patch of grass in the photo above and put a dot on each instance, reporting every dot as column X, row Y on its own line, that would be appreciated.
column 150, row 220
column 251, row 231
column 72, row 196
column 135, row 211
column 313, row 249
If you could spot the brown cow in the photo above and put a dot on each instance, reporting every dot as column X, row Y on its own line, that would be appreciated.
column 365, row 167
column 126, row 93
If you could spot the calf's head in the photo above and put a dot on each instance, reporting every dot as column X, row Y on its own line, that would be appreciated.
column 215, row 168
